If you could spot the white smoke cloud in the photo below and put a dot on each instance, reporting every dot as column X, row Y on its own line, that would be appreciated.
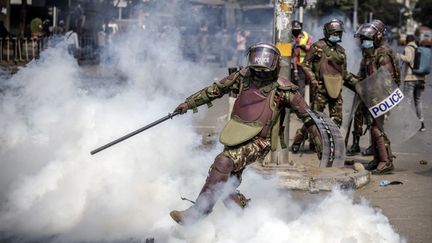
column 53, row 113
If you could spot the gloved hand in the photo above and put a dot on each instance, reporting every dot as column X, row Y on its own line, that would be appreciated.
column 182, row 108
column 313, row 86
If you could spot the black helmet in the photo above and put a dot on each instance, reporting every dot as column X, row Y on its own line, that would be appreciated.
column 296, row 27
column 381, row 30
column 263, row 56
column 373, row 31
column 379, row 25
column 367, row 31
column 263, row 59
column 333, row 26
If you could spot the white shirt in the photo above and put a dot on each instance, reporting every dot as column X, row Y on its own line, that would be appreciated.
column 71, row 38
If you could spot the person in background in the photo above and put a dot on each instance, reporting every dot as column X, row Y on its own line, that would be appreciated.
column 60, row 28
column 241, row 46
column 414, row 85
column 302, row 44
column 72, row 42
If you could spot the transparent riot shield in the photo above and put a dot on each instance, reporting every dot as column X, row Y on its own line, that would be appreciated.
column 382, row 97
column 333, row 151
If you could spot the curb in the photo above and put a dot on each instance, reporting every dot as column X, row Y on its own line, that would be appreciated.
column 315, row 179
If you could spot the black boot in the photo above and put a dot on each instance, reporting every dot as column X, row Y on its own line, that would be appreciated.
column 355, row 147
column 372, row 165
column 218, row 175
column 386, row 169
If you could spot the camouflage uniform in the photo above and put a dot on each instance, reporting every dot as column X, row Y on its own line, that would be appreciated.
column 251, row 133
column 380, row 55
column 325, row 65
column 383, row 56
column 280, row 94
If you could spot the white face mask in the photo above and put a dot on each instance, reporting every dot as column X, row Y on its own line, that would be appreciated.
column 334, row 39
column 366, row 44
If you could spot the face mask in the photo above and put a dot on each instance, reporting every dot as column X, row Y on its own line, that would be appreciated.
column 296, row 32
column 334, row 38
column 366, row 44
column 263, row 74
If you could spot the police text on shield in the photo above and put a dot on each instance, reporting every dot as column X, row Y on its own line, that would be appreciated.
column 387, row 104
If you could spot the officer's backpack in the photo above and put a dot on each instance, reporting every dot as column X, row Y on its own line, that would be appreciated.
column 422, row 61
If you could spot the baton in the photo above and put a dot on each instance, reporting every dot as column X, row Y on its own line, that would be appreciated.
column 169, row 116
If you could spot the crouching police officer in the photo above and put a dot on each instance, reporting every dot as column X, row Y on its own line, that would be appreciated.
column 252, row 132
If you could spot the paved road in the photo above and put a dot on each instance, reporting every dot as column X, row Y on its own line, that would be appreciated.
column 408, row 206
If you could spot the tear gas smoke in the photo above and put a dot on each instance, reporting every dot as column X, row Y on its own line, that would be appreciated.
column 53, row 114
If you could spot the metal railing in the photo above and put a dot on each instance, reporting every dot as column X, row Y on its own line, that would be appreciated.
column 19, row 51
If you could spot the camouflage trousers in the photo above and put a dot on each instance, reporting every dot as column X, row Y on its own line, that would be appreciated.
column 319, row 102
column 321, row 99
column 361, row 117
column 246, row 153
column 380, row 143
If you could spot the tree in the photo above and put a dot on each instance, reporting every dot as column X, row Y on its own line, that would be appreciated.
column 422, row 12
column 387, row 11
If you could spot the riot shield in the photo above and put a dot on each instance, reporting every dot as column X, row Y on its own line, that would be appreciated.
column 350, row 103
column 382, row 97
column 333, row 151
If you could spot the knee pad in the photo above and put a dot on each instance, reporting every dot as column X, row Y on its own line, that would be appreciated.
column 223, row 164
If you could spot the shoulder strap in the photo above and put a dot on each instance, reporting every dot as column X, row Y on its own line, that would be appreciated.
column 69, row 35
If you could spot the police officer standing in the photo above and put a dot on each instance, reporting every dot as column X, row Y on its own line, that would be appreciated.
column 325, row 65
column 377, row 53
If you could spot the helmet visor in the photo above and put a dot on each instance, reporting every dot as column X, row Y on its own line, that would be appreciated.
column 334, row 27
column 262, row 59
column 366, row 31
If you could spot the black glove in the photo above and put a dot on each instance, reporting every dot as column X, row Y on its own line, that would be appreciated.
column 182, row 108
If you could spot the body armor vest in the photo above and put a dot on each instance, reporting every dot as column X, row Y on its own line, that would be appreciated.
column 254, row 114
column 253, row 106
column 329, row 68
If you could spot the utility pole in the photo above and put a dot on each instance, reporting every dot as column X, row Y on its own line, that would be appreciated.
column 301, row 4
column 283, row 11
column 355, row 17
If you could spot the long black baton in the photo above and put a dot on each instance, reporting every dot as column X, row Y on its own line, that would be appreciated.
column 169, row 116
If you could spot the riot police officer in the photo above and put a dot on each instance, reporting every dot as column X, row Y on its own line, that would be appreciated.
column 325, row 65
column 377, row 53
column 250, row 134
